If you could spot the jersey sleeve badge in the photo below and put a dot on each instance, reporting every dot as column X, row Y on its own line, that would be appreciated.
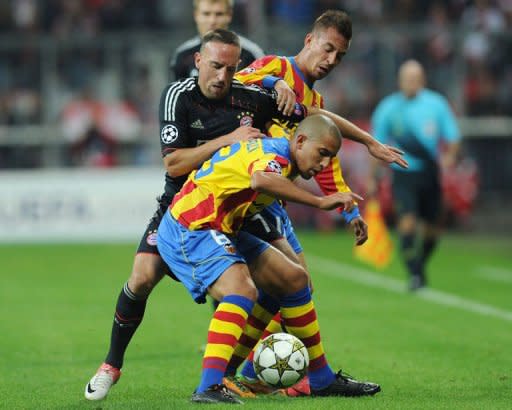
column 274, row 166
column 169, row 134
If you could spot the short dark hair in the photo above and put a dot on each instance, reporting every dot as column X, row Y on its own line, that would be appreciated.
column 228, row 3
column 336, row 19
column 222, row 36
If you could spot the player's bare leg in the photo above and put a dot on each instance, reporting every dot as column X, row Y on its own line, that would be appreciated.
column 288, row 282
column 248, row 378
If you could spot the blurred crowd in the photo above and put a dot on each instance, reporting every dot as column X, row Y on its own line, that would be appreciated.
column 54, row 56
column 464, row 45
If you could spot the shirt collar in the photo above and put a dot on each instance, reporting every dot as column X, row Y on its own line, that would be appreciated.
column 299, row 71
column 209, row 100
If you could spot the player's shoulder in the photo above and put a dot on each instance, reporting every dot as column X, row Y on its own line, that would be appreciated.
column 238, row 86
column 393, row 97
column 251, row 47
column 390, row 101
column 276, row 145
column 177, row 90
column 262, row 62
column 183, row 85
column 270, row 58
column 433, row 96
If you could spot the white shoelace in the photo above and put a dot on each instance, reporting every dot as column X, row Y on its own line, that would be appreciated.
column 103, row 380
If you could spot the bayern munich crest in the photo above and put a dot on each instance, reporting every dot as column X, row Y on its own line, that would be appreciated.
column 151, row 239
column 169, row 134
column 246, row 119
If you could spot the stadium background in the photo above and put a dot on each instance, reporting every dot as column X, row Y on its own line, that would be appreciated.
column 79, row 161
column 80, row 82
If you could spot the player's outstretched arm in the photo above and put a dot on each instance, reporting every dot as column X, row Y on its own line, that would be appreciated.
column 282, row 188
column 353, row 132
column 182, row 161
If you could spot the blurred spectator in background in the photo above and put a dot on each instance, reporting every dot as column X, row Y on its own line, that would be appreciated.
column 209, row 15
column 81, row 127
column 94, row 130
column 416, row 120
column 25, row 15
column 440, row 49
column 483, row 56
column 51, row 49
column 74, row 18
column 293, row 11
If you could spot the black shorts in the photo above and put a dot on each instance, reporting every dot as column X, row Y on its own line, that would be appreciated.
column 148, row 242
column 418, row 193
column 262, row 225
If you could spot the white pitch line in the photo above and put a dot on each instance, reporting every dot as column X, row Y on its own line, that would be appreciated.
column 494, row 274
column 369, row 278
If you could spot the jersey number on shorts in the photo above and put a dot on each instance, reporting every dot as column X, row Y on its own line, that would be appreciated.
column 266, row 227
column 220, row 238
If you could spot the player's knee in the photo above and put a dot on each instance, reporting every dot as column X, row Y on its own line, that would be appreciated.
column 141, row 283
column 407, row 224
column 144, row 277
column 251, row 292
column 247, row 290
column 298, row 279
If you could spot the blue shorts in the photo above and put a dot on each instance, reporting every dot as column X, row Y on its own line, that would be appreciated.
column 199, row 258
column 277, row 215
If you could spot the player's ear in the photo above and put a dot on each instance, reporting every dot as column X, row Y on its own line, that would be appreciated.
column 308, row 39
column 300, row 140
column 197, row 59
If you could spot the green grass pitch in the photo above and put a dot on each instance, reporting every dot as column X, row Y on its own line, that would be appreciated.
column 448, row 349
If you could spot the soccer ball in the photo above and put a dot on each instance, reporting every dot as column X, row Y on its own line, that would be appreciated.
column 281, row 360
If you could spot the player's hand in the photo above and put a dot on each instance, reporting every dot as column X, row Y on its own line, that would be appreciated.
column 339, row 200
column 388, row 154
column 243, row 134
column 360, row 230
column 285, row 97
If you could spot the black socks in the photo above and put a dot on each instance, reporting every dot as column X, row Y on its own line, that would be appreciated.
column 410, row 255
column 129, row 313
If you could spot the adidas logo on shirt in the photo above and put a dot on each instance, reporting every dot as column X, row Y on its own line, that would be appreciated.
column 197, row 124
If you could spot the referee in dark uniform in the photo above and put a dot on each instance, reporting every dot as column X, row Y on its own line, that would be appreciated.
column 209, row 15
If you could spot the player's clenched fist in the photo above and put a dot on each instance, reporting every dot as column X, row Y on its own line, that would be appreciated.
column 360, row 230
column 286, row 98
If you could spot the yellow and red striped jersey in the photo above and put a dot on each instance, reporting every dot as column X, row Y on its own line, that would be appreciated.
column 265, row 72
column 219, row 195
